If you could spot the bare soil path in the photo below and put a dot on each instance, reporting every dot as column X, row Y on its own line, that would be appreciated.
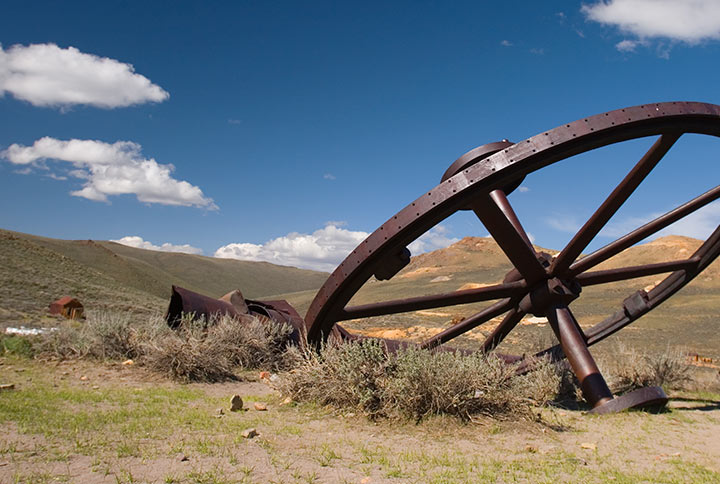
column 92, row 423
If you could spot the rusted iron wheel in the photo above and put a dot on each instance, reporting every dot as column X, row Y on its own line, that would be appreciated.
column 539, row 284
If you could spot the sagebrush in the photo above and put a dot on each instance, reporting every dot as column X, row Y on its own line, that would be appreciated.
column 628, row 369
column 196, row 351
column 415, row 383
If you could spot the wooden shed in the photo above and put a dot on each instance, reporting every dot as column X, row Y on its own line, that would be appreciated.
column 69, row 307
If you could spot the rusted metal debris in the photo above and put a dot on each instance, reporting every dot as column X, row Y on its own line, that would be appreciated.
column 539, row 284
column 233, row 304
column 69, row 307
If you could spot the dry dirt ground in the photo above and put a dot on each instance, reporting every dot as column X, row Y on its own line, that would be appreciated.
column 100, row 423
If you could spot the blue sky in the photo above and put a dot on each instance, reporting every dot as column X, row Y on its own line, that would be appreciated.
column 287, row 131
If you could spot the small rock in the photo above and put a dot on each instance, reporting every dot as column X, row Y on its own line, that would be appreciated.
column 128, row 362
column 274, row 377
column 249, row 433
column 95, row 387
column 261, row 407
column 588, row 446
column 221, row 411
column 183, row 458
column 531, row 448
column 83, row 378
column 7, row 386
column 365, row 480
column 236, row 403
column 287, row 401
column 264, row 375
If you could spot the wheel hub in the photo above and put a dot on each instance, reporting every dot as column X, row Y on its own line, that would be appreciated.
column 550, row 292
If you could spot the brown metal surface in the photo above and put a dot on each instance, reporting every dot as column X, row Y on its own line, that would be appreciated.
column 573, row 344
column 648, row 397
column 496, row 214
column 466, row 296
column 481, row 180
column 184, row 302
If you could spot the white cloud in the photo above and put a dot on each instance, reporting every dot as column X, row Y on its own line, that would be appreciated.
column 329, row 176
column 506, row 43
column 56, row 177
column 523, row 189
column 336, row 223
column 433, row 239
column 322, row 250
column 699, row 224
column 139, row 243
column 626, row 45
column 689, row 21
column 537, row 51
column 111, row 169
column 48, row 75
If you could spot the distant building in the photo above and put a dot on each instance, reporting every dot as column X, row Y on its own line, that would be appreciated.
column 69, row 307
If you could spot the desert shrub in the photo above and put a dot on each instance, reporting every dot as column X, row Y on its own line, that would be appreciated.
column 549, row 382
column 414, row 383
column 67, row 342
column 345, row 375
column 628, row 369
column 423, row 383
column 199, row 351
column 104, row 336
column 196, row 351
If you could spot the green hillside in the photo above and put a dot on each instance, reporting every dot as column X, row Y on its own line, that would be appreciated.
column 104, row 275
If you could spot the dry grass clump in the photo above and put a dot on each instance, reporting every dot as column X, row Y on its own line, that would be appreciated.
column 628, row 369
column 415, row 383
column 207, row 351
column 212, row 352
column 103, row 336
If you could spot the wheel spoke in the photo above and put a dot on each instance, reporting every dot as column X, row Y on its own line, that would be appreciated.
column 632, row 272
column 499, row 218
column 472, row 322
column 573, row 344
column 643, row 232
column 613, row 202
column 510, row 289
column 498, row 334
